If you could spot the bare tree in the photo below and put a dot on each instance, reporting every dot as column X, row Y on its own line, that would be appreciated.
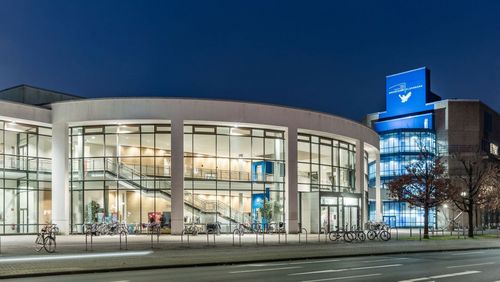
column 474, row 185
column 424, row 185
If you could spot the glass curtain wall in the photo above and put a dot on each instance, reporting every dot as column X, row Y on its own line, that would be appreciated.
column 397, row 150
column 233, row 175
column 326, row 183
column 120, row 173
column 25, row 177
column 325, row 164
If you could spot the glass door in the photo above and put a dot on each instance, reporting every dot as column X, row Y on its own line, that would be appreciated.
column 329, row 218
column 333, row 218
column 351, row 217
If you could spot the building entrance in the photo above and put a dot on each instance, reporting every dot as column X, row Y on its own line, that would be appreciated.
column 330, row 218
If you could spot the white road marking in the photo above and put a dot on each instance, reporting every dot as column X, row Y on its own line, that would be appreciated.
column 467, row 253
column 380, row 260
column 442, row 276
column 82, row 256
column 344, row 277
column 345, row 269
column 264, row 269
column 281, row 264
column 316, row 261
column 263, row 264
column 466, row 265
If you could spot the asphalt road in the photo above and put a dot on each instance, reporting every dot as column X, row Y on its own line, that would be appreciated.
column 481, row 265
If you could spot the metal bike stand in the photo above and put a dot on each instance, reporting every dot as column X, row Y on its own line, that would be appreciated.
column 152, row 247
column 158, row 237
column 301, row 233
column 263, row 242
column 239, row 237
column 420, row 234
column 214, row 238
column 279, row 237
column 233, row 238
column 256, row 237
column 126, row 240
column 208, row 242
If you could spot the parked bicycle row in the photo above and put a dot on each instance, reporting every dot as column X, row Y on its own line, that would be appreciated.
column 354, row 234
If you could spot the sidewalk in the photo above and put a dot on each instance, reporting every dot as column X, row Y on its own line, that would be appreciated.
column 18, row 258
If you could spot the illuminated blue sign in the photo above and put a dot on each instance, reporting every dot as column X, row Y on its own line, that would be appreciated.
column 407, row 93
column 418, row 121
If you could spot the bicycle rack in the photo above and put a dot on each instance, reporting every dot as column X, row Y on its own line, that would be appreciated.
column 182, row 237
column 91, row 239
column 126, row 240
column 322, row 231
column 157, row 237
column 301, row 233
column 208, row 233
column 263, row 232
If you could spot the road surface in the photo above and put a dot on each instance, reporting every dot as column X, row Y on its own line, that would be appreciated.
column 480, row 265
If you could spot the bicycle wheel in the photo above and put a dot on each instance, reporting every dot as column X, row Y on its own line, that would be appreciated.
column 371, row 235
column 349, row 236
column 333, row 235
column 49, row 244
column 361, row 236
column 39, row 243
column 385, row 236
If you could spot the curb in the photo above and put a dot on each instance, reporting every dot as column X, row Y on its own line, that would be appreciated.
column 152, row 267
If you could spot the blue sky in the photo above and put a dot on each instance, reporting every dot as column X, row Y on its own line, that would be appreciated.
column 329, row 56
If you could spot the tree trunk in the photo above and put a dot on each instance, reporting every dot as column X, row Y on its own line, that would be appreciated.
column 426, row 222
column 470, row 213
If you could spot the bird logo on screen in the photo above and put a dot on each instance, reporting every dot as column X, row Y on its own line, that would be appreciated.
column 404, row 98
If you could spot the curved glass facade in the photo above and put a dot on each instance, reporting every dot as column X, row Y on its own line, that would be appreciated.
column 233, row 175
column 120, row 173
column 25, row 177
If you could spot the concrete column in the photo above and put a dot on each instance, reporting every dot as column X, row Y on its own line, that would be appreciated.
column 60, row 184
column 177, row 198
column 378, row 195
column 291, row 209
column 360, row 179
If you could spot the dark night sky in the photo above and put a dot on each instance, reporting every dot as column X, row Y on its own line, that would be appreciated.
column 329, row 56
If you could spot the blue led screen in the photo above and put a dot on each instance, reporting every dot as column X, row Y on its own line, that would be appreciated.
column 420, row 121
column 406, row 93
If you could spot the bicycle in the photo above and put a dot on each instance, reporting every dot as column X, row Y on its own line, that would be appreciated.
column 191, row 229
column 240, row 230
column 384, row 235
column 46, row 240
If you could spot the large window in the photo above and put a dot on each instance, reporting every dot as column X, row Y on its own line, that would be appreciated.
column 399, row 148
column 401, row 214
column 120, row 173
column 25, row 178
column 233, row 175
column 325, row 164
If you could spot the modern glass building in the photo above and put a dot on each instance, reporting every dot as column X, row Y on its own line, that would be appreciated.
column 177, row 162
column 416, row 119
